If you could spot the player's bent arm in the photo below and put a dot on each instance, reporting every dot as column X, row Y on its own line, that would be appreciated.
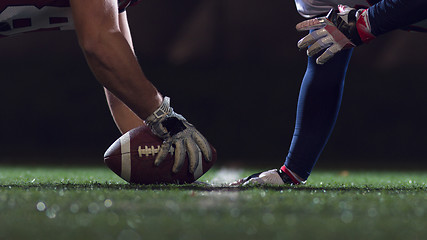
column 124, row 118
column 110, row 56
column 114, row 64
column 124, row 28
column 350, row 27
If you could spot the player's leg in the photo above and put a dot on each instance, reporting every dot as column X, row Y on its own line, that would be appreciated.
column 318, row 105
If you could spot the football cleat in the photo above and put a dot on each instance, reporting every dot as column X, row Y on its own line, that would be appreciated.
column 276, row 177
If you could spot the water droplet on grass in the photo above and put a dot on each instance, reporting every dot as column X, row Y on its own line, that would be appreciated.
column 108, row 203
column 93, row 208
column 74, row 208
column 41, row 206
column 316, row 200
column 101, row 198
column 51, row 213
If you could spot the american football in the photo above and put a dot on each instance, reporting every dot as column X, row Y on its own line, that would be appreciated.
column 132, row 158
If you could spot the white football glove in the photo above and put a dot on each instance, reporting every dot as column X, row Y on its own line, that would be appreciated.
column 339, row 30
column 179, row 134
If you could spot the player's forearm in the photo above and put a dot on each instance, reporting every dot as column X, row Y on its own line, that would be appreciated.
column 388, row 15
column 114, row 65
column 110, row 56
column 124, row 118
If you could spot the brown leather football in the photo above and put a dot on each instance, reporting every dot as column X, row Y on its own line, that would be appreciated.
column 132, row 158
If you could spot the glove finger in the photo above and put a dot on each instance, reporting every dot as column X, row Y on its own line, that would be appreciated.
column 310, row 24
column 320, row 45
column 163, row 152
column 311, row 38
column 194, row 155
column 180, row 152
column 306, row 41
column 328, row 54
column 344, row 9
column 203, row 145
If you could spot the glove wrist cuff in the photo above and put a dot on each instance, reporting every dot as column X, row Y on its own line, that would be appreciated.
column 363, row 26
column 164, row 122
column 160, row 113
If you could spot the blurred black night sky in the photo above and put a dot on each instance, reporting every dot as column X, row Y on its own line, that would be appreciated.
column 232, row 68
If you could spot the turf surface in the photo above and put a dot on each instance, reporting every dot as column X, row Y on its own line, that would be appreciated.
column 93, row 203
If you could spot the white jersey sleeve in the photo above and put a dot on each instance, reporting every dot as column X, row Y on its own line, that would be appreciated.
column 40, row 15
column 22, row 19
column 312, row 8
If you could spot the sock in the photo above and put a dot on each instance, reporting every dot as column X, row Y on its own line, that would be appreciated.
column 288, row 176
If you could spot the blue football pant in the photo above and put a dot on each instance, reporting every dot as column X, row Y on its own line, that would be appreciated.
column 318, row 106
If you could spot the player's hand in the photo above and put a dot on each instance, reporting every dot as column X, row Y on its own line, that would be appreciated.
column 179, row 134
column 339, row 30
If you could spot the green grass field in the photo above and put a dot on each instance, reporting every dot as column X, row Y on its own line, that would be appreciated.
column 93, row 203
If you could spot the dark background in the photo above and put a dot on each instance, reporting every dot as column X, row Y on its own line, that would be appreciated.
column 233, row 69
